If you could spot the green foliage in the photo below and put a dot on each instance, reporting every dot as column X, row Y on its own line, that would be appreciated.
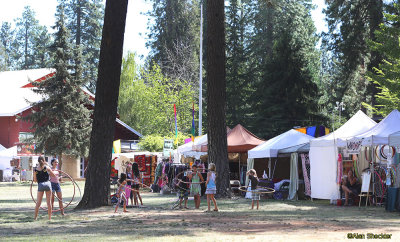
column 6, row 45
column 147, row 98
column 85, row 20
column 155, row 142
column 351, row 24
column 174, row 39
column 61, row 122
column 31, row 42
column 387, row 74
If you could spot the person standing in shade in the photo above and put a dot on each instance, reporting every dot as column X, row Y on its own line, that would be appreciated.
column 195, row 188
column 255, row 195
column 55, row 185
column 136, row 182
column 41, row 175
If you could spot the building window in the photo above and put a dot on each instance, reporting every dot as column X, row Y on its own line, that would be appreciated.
column 24, row 136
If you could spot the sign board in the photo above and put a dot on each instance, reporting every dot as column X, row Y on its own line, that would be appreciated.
column 353, row 146
column 26, row 149
column 168, row 147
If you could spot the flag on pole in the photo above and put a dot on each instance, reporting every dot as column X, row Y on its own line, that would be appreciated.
column 176, row 126
column 193, row 126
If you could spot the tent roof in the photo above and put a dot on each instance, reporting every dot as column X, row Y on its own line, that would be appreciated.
column 301, row 148
column 189, row 146
column 271, row 147
column 357, row 124
column 241, row 140
column 394, row 139
column 14, row 82
column 379, row 134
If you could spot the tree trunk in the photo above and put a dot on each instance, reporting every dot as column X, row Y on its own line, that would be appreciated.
column 216, row 94
column 78, row 23
column 97, row 186
column 60, row 161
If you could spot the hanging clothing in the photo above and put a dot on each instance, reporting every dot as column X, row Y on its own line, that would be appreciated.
column 294, row 177
column 306, row 173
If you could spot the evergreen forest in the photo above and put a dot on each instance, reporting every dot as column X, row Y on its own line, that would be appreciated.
column 280, row 72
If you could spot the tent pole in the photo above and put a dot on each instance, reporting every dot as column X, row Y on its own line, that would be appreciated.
column 240, row 180
column 269, row 168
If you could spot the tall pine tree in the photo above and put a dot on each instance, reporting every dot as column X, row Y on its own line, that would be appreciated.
column 351, row 24
column 85, row 20
column 287, row 85
column 61, row 121
column 174, row 39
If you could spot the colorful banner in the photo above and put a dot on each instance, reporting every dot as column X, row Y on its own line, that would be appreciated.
column 117, row 146
column 193, row 126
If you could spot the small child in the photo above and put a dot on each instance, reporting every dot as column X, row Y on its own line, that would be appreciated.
column 255, row 196
column 121, row 192
column 211, row 188
column 183, row 186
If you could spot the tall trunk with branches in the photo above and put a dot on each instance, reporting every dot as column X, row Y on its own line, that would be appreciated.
column 97, row 186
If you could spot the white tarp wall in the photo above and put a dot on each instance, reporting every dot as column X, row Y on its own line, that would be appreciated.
column 6, row 155
column 394, row 139
column 323, row 156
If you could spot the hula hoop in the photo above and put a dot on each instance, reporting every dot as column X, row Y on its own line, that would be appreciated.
column 382, row 153
column 69, row 203
column 269, row 190
column 382, row 186
column 180, row 180
column 176, row 185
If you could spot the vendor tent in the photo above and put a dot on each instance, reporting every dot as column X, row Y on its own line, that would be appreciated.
column 271, row 147
column 379, row 134
column 241, row 140
column 394, row 139
column 190, row 145
column 323, row 156
column 6, row 155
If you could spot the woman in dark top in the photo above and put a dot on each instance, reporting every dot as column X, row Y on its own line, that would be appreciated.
column 41, row 175
column 255, row 196
column 350, row 185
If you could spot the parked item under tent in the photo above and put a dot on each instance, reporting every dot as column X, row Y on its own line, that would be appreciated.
column 324, row 154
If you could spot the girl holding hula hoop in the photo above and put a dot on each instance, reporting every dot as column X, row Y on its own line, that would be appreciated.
column 255, row 195
column 55, row 185
column 42, row 175
column 135, row 186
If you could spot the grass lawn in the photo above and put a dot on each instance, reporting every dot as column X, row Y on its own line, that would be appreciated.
column 275, row 221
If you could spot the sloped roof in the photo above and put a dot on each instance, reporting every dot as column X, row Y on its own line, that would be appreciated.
column 271, row 147
column 241, row 140
column 356, row 125
column 13, row 98
column 379, row 134
column 16, row 92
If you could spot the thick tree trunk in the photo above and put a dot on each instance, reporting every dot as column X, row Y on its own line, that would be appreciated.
column 216, row 94
column 97, row 186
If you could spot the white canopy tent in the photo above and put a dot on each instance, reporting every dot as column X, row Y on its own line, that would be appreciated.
column 379, row 134
column 394, row 139
column 6, row 155
column 323, row 156
column 271, row 147
column 189, row 146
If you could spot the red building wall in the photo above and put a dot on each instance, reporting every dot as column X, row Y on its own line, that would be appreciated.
column 25, row 126
column 9, row 131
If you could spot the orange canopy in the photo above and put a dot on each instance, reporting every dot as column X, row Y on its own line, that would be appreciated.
column 239, row 139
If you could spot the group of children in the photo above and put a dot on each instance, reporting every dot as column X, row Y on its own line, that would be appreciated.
column 129, row 187
column 188, row 182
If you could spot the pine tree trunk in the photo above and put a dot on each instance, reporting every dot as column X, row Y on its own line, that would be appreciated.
column 60, row 161
column 97, row 186
column 216, row 94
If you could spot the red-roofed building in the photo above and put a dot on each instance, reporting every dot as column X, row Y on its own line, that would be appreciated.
column 15, row 97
